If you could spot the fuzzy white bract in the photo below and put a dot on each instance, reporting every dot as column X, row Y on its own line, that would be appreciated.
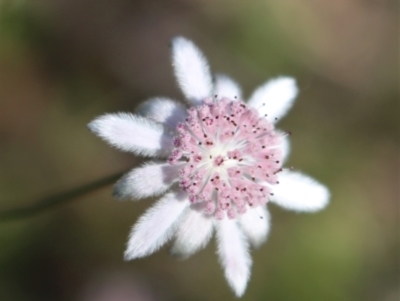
column 219, row 164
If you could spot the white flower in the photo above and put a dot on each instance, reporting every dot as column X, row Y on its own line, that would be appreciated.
column 221, row 162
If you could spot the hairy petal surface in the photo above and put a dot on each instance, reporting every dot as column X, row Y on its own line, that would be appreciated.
column 256, row 224
column 133, row 133
column 226, row 87
column 285, row 146
column 191, row 70
column 164, row 110
column 299, row 192
column 151, row 179
column 156, row 226
column 193, row 234
column 234, row 255
column 274, row 98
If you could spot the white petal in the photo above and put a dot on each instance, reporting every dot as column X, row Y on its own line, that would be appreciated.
column 163, row 110
column 274, row 98
column 234, row 255
column 256, row 224
column 156, row 226
column 299, row 192
column 193, row 234
column 226, row 87
column 133, row 133
column 151, row 179
column 191, row 70
column 285, row 146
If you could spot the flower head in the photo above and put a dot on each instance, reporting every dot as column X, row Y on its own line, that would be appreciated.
column 221, row 163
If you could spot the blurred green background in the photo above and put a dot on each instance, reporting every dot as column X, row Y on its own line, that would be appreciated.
column 63, row 62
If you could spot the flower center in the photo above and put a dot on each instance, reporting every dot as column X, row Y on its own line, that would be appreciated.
column 232, row 157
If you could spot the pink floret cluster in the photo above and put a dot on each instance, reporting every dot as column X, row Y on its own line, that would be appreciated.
column 230, row 157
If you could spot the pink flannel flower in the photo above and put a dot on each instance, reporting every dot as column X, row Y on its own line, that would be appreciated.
column 219, row 164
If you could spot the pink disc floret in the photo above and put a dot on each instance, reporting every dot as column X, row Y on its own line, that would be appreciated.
column 231, row 157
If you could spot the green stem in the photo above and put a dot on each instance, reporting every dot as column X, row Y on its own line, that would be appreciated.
column 54, row 200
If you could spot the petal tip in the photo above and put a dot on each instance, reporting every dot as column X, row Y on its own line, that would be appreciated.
column 238, row 284
column 177, row 254
column 117, row 192
column 94, row 125
column 275, row 97
column 325, row 197
column 130, row 255
column 179, row 39
column 286, row 82
column 191, row 70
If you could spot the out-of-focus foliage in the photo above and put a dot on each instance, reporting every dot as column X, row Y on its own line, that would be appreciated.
column 63, row 62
